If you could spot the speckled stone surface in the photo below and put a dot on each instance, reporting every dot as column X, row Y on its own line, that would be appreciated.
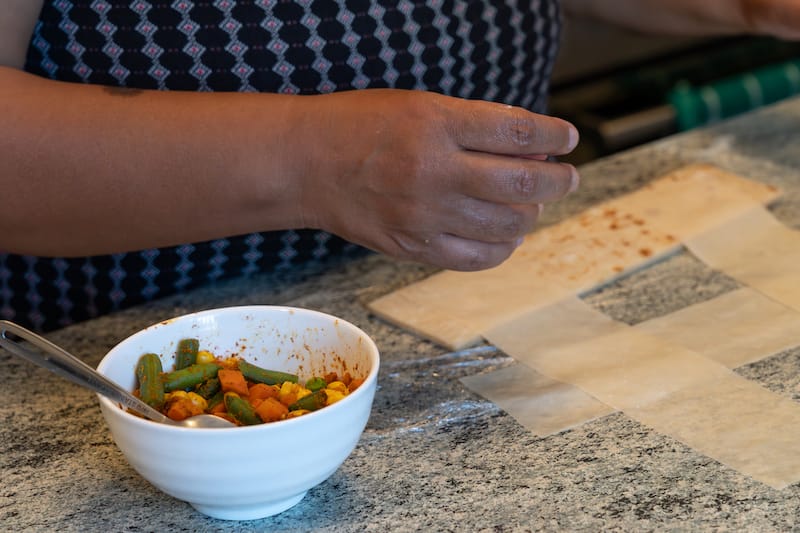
column 434, row 456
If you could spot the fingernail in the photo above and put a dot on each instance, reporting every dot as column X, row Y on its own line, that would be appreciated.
column 574, row 138
column 576, row 180
column 519, row 242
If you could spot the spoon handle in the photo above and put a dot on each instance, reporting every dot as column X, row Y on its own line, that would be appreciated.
column 66, row 365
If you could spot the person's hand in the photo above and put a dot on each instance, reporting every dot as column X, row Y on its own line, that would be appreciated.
column 420, row 176
column 779, row 18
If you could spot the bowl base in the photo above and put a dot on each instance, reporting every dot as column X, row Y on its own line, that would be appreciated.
column 248, row 512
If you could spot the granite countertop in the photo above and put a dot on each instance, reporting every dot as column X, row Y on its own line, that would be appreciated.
column 434, row 456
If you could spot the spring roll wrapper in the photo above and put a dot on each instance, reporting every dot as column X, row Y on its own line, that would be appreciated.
column 757, row 250
column 663, row 385
column 734, row 329
column 576, row 255
column 672, row 374
column 544, row 406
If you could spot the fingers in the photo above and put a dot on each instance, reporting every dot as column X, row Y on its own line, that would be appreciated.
column 453, row 183
column 488, row 222
column 456, row 253
column 516, row 180
column 507, row 130
column 479, row 236
column 500, row 179
column 778, row 18
column 504, row 153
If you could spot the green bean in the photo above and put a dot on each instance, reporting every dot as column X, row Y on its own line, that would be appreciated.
column 151, row 388
column 218, row 397
column 187, row 353
column 311, row 402
column 189, row 377
column 316, row 383
column 241, row 410
column 208, row 388
column 262, row 375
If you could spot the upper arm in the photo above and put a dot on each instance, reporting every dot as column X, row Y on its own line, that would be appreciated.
column 17, row 19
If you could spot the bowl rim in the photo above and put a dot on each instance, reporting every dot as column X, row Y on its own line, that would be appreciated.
column 363, row 389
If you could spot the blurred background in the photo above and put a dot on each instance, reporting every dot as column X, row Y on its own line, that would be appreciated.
column 623, row 89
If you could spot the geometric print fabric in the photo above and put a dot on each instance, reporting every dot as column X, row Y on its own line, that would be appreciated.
column 494, row 50
column 47, row 293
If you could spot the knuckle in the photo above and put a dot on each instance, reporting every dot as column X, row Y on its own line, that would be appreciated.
column 524, row 132
column 525, row 183
column 501, row 223
column 515, row 225
column 520, row 131
column 486, row 224
column 506, row 225
column 547, row 182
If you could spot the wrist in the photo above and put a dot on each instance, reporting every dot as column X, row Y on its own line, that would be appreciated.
column 272, row 160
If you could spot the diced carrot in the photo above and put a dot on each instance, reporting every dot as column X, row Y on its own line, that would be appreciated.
column 346, row 379
column 232, row 381
column 255, row 402
column 355, row 383
column 262, row 391
column 271, row 410
column 219, row 409
column 331, row 376
column 183, row 408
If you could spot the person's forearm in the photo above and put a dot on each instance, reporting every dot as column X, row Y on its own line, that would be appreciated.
column 695, row 17
column 414, row 174
column 89, row 169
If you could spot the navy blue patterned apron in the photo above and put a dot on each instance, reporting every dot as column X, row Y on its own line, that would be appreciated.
column 500, row 50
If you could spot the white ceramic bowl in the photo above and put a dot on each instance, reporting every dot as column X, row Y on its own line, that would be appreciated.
column 245, row 473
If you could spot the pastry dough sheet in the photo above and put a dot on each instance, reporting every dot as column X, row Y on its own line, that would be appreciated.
column 736, row 422
column 665, row 386
column 734, row 329
column 671, row 374
column 617, row 364
column 580, row 253
column 757, row 250
column 542, row 405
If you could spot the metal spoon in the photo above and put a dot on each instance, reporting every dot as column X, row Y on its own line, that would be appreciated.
column 66, row 365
